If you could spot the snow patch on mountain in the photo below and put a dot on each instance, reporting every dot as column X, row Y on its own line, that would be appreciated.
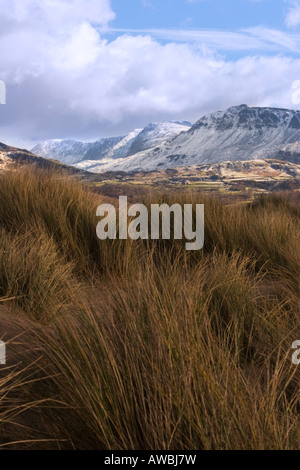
column 71, row 152
column 156, row 132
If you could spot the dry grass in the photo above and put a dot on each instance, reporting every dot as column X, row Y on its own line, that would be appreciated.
column 143, row 344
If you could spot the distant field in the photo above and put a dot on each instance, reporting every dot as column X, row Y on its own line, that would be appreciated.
column 231, row 181
column 227, row 194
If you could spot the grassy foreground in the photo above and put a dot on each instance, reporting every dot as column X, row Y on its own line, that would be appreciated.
column 141, row 344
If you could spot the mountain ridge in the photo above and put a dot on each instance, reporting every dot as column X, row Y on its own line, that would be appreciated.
column 75, row 151
column 241, row 132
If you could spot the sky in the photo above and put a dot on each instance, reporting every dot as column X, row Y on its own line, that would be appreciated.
column 86, row 69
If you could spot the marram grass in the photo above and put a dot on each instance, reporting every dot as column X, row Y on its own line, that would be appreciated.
column 141, row 344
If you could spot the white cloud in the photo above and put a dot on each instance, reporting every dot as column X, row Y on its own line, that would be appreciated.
column 274, row 39
column 292, row 19
column 82, row 49
column 253, row 39
column 57, row 13
column 64, row 80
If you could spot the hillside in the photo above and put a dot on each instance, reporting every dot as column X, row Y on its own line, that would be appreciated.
column 259, row 175
column 240, row 179
column 12, row 158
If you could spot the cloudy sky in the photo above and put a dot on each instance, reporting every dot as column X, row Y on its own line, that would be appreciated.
column 86, row 69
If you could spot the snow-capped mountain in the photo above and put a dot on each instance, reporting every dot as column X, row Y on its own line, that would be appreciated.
column 73, row 151
column 86, row 153
column 118, row 151
column 238, row 133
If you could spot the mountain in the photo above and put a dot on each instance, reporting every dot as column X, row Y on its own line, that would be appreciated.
column 72, row 152
column 99, row 152
column 238, row 133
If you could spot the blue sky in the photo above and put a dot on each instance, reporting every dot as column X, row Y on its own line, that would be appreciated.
column 222, row 14
column 85, row 69
column 166, row 20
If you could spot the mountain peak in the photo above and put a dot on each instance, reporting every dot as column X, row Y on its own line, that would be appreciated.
column 249, row 117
